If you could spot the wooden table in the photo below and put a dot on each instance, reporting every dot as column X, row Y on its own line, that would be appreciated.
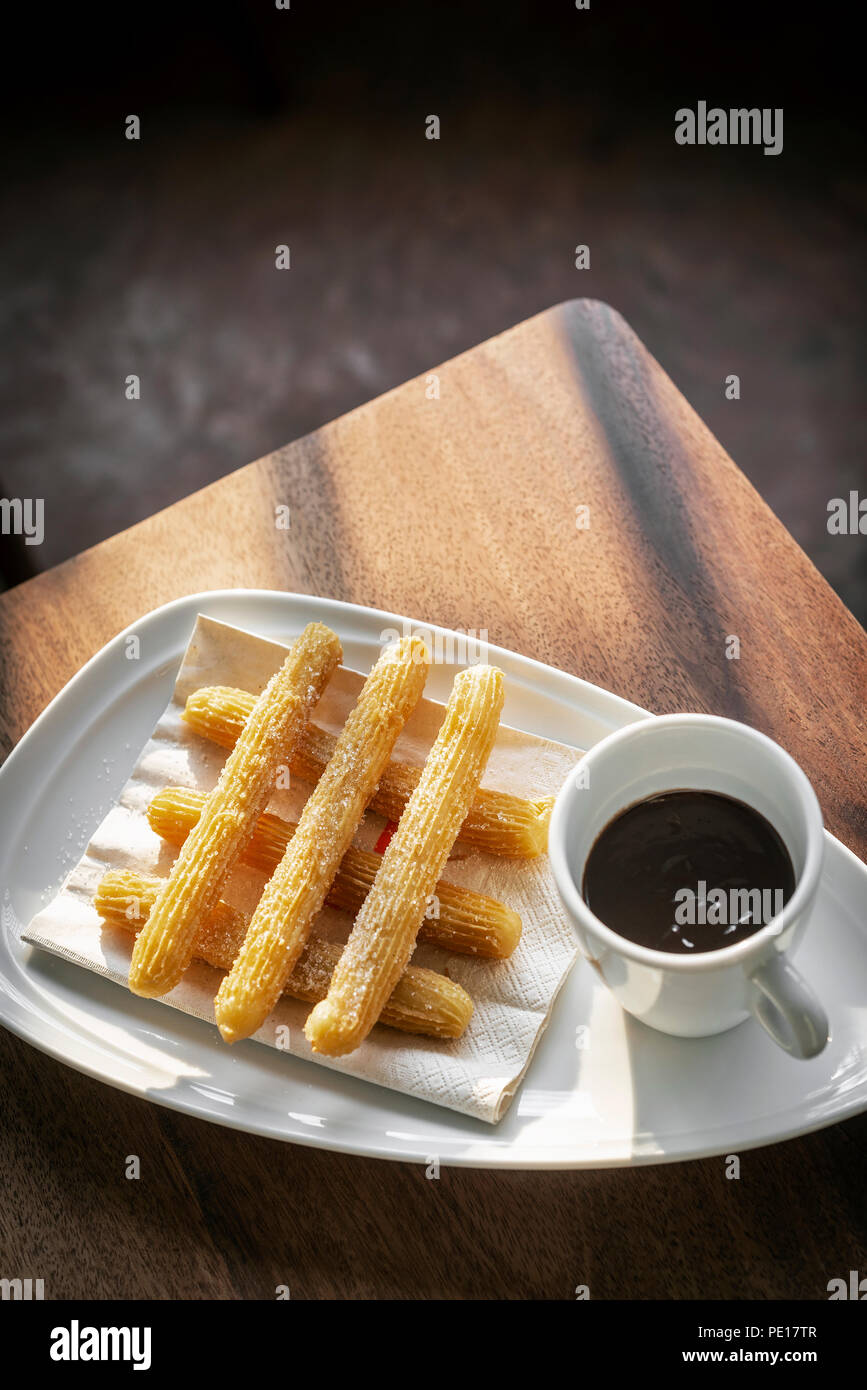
column 460, row 508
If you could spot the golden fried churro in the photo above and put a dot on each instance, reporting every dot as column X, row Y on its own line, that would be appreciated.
column 296, row 891
column 385, row 930
column 468, row 922
column 496, row 821
column 422, row 1001
column 164, row 948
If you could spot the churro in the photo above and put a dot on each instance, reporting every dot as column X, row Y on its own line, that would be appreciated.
column 385, row 930
column 457, row 918
column 496, row 821
column 421, row 1002
column 163, row 950
column 296, row 891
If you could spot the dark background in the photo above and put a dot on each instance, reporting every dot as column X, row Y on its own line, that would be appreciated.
column 307, row 127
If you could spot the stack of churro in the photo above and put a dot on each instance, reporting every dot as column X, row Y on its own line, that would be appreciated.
column 275, row 951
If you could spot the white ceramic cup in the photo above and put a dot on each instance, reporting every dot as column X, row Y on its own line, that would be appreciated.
column 695, row 996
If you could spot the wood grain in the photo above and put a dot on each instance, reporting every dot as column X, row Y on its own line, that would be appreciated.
column 462, row 511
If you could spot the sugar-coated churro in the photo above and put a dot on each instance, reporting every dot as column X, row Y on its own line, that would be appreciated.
column 296, row 891
column 385, row 930
column 421, row 1002
column 496, row 821
column 163, row 950
column 457, row 919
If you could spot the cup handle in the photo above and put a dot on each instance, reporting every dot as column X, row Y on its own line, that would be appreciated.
column 787, row 1008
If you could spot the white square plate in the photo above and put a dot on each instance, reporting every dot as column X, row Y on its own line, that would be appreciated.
column 632, row 1096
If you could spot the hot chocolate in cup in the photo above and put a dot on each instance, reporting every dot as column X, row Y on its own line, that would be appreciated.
column 704, row 985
